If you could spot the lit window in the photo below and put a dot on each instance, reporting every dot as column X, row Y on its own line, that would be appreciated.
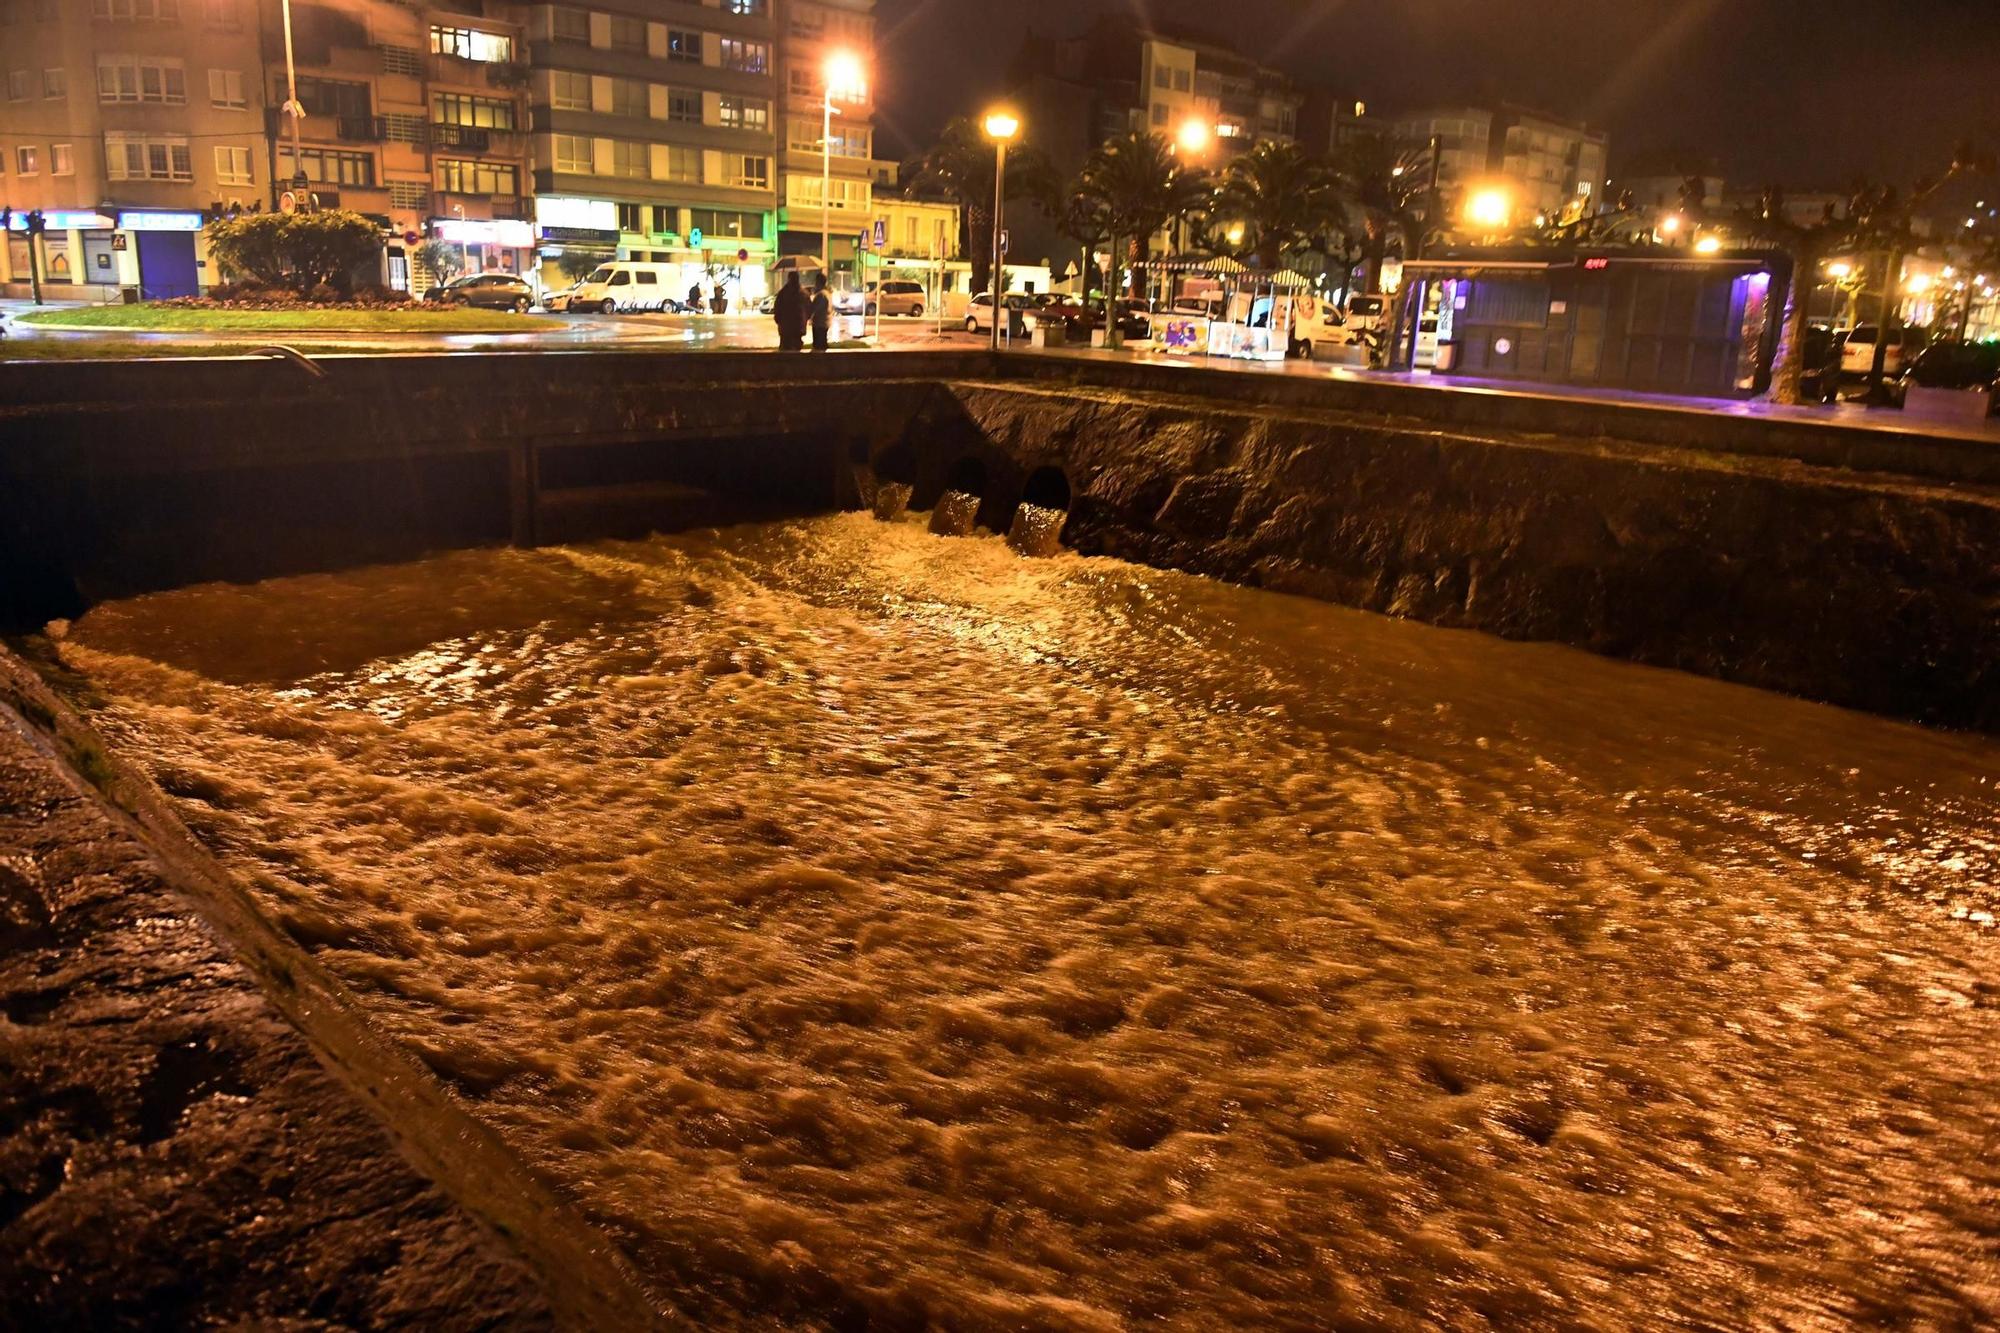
column 27, row 161
column 471, row 44
column 232, row 166
column 572, row 153
column 569, row 91
column 683, row 45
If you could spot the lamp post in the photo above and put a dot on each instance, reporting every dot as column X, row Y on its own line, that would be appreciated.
column 841, row 74
column 464, row 256
column 1191, row 141
column 1001, row 127
column 294, row 112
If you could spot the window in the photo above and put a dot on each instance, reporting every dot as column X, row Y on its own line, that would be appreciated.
column 165, row 11
column 458, row 176
column 629, row 98
column 62, row 162
column 631, row 159
column 749, row 172
column 1163, row 77
column 568, row 91
column 221, row 14
column 802, row 81
column 136, row 79
column 628, row 217
column 409, row 194
column 572, row 153
column 627, row 34
column 571, row 25
column 1159, row 113
column 136, row 157
column 750, row 57
column 339, row 98
column 744, row 6
column 225, row 88
column 718, row 222
column 684, row 104
column 683, row 45
column 55, row 83
column 329, row 166
column 745, row 113
column 1183, row 79
column 27, row 161
column 232, row 166
column 17, row 85
column 487, row 113
column 683, row 164
column 471, row 44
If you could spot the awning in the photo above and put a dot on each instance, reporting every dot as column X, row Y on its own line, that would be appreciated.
column 1199, row 264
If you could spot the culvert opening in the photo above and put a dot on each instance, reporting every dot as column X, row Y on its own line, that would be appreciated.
column 1047, row 488
column 968, row 474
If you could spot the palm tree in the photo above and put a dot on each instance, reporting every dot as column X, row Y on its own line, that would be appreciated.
column 1388, row 182
column 960, row 166
column 1286, row 200
column 1137, row 185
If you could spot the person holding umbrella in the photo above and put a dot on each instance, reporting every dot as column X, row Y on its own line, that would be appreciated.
column 789, row 311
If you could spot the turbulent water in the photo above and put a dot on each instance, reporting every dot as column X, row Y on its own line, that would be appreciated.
column 862, row 924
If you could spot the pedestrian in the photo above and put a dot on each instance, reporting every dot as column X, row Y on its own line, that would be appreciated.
column 789, row 310
column 822, row 314
column 721, row 303
column 694, row 299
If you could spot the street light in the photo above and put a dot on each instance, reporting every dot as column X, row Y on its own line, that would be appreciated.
column 1194, row 135
column 1840, row 270
column 294, row 110
column 842, row 74
column 1670, row 224
column 1489, row 209
column 1001, row 127
column 1708, row 245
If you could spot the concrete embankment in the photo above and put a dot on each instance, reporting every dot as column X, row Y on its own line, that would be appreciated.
column 1853, row 566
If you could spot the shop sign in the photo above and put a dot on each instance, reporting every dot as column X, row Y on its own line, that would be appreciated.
column 578, row 236
column 479, row 231
column 57, row 219
column 138, row 220
column 568, row 212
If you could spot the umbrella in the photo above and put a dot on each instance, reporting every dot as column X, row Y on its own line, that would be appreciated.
column 797, row 264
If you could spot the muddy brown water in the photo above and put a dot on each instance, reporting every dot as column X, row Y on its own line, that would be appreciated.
column 863, row 924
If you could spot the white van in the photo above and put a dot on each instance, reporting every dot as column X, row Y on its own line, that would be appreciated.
column 625, row 285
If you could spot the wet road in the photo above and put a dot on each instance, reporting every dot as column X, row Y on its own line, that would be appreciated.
column 855, row 921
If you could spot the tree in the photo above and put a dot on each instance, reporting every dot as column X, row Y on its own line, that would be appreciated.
column 442, row 259
column 960, row 166
column 296, row 250
column 575, row 264
column 1388, row 182
column 1070, row 209
column 1286, row 200
column 1138, row 186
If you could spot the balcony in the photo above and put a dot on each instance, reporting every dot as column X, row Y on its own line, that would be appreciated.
column 499, row 207
column 476, row 139
column 493, row 73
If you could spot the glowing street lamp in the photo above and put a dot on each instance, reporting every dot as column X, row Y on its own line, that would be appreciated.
column 1194, row 135
column 844, row 77
column 1840, row 270
column 1708, row 245
column 1670, row 224
column 1001, row 127
column 1489, row 209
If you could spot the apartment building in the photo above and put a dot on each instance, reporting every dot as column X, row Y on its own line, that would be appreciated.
column 415, row 117
column 654, row 136
column 835, row 154
column 126, row 123
column 1548, row 166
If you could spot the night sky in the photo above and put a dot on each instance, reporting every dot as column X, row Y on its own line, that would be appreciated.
column 1803, row 92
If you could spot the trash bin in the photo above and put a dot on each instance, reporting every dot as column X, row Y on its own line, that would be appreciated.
column 1050, row 333
column 129, row 295
column 1016, row 326
column 1447, row 353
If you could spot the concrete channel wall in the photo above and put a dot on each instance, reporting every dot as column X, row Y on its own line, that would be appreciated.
column 1848, row 565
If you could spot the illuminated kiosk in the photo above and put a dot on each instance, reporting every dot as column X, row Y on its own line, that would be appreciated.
column 1661, row 319
column 1226, row 309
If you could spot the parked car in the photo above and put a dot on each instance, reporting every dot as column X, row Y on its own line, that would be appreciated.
column 1857, row 353
column 896, row 296
column 1964, row 366
column 626, row 285
column 558, row 300
column 1080, row 320
column 485, row 291
column 979, row 314
column 1362, row 318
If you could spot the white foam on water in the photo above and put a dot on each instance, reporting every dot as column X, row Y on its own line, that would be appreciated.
column 857, row 922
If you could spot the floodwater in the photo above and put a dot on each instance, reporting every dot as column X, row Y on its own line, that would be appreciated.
column 869, row 926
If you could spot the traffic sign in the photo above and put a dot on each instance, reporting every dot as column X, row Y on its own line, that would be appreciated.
column 1003, row 240
column 881, row 232
column 742, row 256
column 861, row 240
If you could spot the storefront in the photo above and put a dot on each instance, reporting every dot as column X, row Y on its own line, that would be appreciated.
column 570, row 234
column 164, row 245
column 1690, row 324
column 74, row 257
column 495, row 245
